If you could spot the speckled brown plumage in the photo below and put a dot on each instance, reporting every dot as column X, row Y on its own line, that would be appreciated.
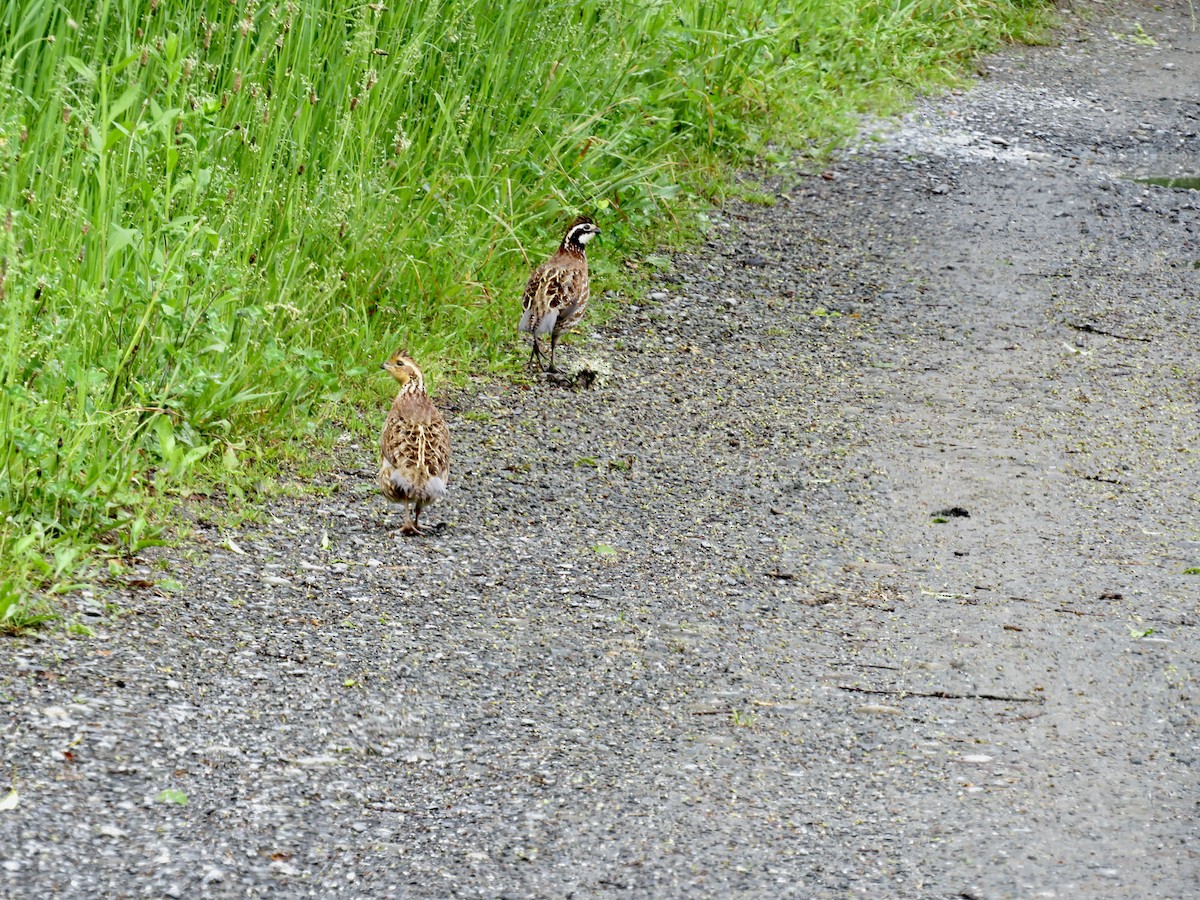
column 556, row 296
column 415, row 448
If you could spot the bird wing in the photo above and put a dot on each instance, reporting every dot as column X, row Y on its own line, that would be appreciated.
column 553, row 287
column 416, row 445
column 580, row 299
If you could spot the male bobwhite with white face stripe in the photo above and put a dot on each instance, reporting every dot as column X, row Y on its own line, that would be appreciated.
column 415, row 448
column 557, row 294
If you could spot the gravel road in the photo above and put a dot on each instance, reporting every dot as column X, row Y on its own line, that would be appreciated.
column 859, row 572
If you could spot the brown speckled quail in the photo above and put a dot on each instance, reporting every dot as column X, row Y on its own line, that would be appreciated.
column 415, row 465
column 557, row 293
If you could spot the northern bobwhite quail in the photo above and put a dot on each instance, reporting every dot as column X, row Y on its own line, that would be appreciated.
column 415, row 465
column 557, row 293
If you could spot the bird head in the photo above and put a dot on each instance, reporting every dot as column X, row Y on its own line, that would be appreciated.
column 403, row 368
column 579, row 233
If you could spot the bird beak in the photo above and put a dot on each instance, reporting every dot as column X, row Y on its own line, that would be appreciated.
column 383, row 365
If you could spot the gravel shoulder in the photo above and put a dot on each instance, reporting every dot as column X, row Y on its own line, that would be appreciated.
column 718, row 625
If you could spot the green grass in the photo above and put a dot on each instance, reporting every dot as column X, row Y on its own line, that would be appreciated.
column 216, row 217
column 18, row 612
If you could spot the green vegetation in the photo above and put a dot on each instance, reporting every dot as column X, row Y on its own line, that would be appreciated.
column 217, row 215
column 170, row 795
column 19, row 612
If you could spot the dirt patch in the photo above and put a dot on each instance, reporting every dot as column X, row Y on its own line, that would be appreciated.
column 713, row 625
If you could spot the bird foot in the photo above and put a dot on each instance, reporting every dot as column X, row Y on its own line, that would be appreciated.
column 411, row 529
column 560, row 379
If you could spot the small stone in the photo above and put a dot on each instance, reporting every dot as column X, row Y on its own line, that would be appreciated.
column 276, row 581
column 658, row 296
column 111, row 831
column 221, row 750
column 879, row 709
column 976, row 758
column 318, row 761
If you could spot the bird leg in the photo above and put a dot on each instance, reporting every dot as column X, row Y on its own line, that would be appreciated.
column 410, row 525
column 553, row 344
column 535, row 354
